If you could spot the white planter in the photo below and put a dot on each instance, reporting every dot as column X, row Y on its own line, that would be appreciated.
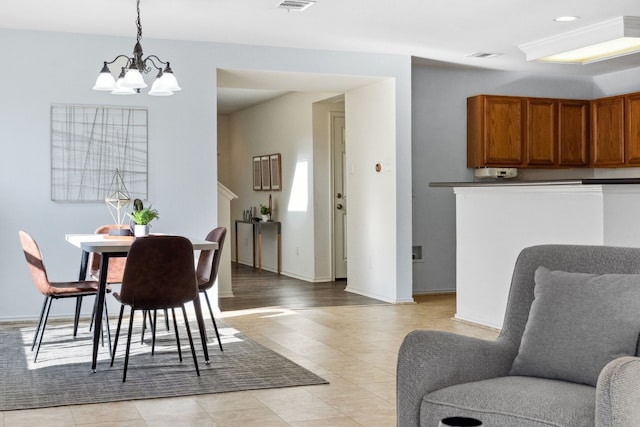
column 265, row 218
column 140, row 230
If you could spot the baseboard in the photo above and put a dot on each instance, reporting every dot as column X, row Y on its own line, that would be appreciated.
column 380, row 297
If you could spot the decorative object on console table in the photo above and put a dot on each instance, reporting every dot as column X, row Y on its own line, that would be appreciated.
column 142, row 217
column 265, row 211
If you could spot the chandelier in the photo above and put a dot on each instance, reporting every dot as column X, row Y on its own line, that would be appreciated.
column 130, row 80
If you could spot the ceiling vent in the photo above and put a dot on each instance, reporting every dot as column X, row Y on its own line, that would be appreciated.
column 295, row 5
column 484, row 55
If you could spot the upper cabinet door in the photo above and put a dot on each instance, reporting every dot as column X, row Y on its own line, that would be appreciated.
column 503, row 131
column 607, row 132
column 573, row 133
column 541, row 137
column 632, row 135
column 495, row 132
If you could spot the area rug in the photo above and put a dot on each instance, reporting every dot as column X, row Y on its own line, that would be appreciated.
column 62, row 375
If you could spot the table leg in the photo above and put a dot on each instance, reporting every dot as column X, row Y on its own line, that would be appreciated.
column 84, row 261
column 260, row 253
column 102, row 290
column 237, row 260
column 201, row 326
column 253, row 248
column 279, row 253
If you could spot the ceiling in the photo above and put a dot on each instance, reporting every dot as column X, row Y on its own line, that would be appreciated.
column 442, row 31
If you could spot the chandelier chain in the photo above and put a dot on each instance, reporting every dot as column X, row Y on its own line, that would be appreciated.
column 138, row 22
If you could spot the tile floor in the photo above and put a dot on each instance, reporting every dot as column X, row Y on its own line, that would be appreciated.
column 353, row 347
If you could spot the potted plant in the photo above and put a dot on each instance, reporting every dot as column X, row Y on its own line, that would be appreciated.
column 142, row 218
column 265, row 212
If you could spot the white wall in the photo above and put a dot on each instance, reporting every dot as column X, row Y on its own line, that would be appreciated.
column 371, row 251
column 439, row 147
column 182, row 140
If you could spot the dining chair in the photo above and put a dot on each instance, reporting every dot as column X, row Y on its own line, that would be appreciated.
column 115, row 270
column 116, row 265
column 159, row 274
column 51, row 290
column 207, row 271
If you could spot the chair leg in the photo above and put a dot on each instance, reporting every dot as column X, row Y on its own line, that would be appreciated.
column 93, row 313
column 153, row 332
column 44, row 325
column 76, row 319
column 35, row 334
column 126, row 354
column 213, row 319
column 193, row 349
column 175, row 328
column 144, row 325
column 166, row 319
column 115, row 341
column 105, row 323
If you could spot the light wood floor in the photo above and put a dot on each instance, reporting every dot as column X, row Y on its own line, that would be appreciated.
column 353, row 346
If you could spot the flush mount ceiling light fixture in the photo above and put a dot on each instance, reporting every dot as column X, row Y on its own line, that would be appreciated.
column 295, row 5
column 130, row 80
column 609, row 39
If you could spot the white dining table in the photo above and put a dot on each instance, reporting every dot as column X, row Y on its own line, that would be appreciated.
column 118, row 246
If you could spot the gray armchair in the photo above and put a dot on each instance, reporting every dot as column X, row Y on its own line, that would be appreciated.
column 441, row 374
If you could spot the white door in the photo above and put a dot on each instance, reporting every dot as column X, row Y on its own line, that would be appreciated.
column 338, row 142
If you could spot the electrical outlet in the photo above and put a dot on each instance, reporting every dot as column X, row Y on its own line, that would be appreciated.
column 416, row 254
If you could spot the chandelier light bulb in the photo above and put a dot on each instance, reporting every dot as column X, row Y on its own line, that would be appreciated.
column 105, row 80
column 157, row 89
column 133, row 79
column 168, row 80
column 121, row 90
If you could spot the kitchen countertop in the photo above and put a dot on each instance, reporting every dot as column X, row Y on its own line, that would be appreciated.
column 510, row 182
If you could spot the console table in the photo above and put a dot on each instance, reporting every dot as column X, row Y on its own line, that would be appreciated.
column 257, row 235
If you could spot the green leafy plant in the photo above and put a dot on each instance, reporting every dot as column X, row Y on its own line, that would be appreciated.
column 143, row 216
column 264, row 210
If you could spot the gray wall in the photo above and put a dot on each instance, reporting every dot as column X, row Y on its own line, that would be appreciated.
column 439, row 152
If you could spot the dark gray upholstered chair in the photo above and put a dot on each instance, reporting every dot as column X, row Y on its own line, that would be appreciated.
column 207, row 270
column 159, row 274
column 52, row 290
column 441, row 374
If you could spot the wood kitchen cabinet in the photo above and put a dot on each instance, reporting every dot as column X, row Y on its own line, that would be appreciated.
column 495, row 131
column 542, row 134
column 508, row 131
column 573, row 133
column 632, row 129
column 607, row 132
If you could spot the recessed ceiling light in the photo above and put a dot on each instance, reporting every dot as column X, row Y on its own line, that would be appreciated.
column 566, row 18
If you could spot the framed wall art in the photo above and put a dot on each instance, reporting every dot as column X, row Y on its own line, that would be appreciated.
column 266, row 174
column 275, row 171
column 257, row 174
column 89, row 144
